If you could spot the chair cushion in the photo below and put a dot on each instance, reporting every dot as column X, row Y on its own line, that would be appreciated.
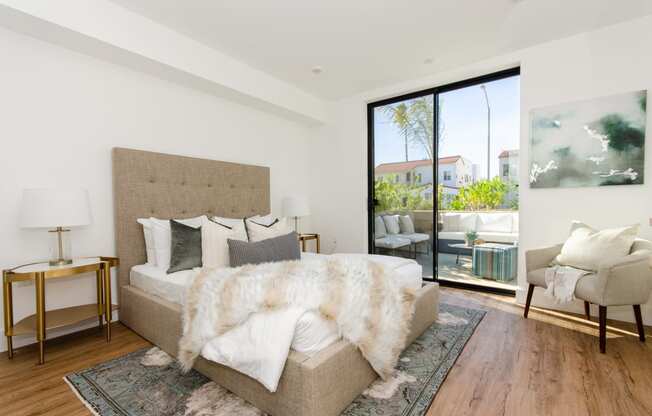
column 406, row 224
column 391, row 224
column 586, row 248
column 415, row 237
column 379, row 227
column 392, row 242
column 468, row 222
column 496, row 237
column 586, row 289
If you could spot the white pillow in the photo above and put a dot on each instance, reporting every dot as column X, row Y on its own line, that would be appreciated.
column 587, row 248
column 259, row 231
column 230, row 222
column 406, row 224
column 451, row 222
column 214, row 245
column 149, row 240
column 468, row 222
column 162, row 236
column 379, row 227
column 263, row 219
column 495, row 222
column 391, row 224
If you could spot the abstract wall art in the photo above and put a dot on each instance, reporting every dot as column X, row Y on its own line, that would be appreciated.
column 596, row 142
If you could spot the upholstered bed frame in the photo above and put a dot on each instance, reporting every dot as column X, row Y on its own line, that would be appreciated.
column 150, row 184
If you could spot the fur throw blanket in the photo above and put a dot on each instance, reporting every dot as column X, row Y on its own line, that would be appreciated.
column 362, row 297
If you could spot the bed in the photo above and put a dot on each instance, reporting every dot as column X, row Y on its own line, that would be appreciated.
column 167, row 186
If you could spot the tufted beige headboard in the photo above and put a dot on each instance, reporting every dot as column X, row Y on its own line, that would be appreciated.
column 148, row 184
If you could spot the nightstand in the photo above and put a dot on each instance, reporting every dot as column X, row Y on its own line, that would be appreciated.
column 307, row 237
column 42, row 320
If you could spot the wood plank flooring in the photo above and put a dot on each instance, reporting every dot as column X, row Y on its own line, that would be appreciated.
column 548, row 364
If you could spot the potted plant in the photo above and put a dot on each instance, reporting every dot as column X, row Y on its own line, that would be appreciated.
column 470, row 237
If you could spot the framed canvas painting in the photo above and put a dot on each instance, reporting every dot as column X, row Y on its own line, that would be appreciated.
column 596, row 142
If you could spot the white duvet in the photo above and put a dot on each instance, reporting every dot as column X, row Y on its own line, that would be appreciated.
column 260, row 346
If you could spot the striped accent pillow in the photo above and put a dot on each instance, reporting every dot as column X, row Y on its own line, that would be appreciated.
column 284, row 247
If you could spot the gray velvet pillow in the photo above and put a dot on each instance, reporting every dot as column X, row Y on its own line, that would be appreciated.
column 284, row 247
column 185, row 250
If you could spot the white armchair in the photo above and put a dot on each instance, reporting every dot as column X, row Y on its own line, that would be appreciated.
column 625, row 282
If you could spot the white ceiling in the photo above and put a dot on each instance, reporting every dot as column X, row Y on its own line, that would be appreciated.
column 363, row 44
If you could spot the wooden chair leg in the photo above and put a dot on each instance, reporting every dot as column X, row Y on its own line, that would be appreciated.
column 639, row 323
column 587, row 310
column 603, row 329
column 530, row 291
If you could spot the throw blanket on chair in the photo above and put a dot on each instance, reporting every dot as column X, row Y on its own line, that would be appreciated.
column 561, row 282
column 362, row 297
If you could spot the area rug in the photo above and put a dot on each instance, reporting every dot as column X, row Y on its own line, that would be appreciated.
column 148, row 382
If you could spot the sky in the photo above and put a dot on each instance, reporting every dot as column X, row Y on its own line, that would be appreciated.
column 464, row 115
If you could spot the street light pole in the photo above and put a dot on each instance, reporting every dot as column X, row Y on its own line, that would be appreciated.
column 486, row 99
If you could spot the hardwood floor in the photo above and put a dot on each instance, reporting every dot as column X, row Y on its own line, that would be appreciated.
column 548, row 364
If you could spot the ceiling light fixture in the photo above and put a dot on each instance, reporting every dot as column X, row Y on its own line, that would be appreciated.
column 317, row 70
column 428, row 61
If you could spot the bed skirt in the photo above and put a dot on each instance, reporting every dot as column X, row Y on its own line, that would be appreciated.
column 322, row 385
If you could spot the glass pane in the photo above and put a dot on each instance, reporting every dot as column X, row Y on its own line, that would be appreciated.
column 478, row 142
column 403, row 180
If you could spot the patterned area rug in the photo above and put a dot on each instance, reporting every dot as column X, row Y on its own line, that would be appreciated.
column 148, row 382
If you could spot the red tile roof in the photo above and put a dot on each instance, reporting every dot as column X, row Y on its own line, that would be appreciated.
column 396, row 167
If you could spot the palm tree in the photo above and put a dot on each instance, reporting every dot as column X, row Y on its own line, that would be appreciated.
column 400, row 117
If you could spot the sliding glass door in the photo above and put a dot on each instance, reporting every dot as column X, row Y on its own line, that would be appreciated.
column 443, row 180
column 402, row 150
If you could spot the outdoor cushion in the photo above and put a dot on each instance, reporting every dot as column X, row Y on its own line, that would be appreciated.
column 415, row 237
column 392, row 242
column 489, row 237
column 406, row 224
column 451, row 222
column 468, row 222
column 391, row 224
column 495, row 222
column 379, row 227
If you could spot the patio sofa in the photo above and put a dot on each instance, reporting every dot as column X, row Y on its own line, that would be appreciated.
column 493, row 227
column 394, row 232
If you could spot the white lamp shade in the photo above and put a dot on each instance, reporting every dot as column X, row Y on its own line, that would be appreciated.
column 48, row 208
column 295, row 206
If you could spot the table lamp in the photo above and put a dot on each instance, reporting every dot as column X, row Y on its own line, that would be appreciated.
column 56, row 208
column 295, row 207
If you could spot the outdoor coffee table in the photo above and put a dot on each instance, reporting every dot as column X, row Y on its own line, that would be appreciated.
column 460, row 247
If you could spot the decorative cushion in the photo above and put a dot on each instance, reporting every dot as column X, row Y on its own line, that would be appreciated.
column 258, row 231
column 496, row 222
column 451, row 222
column 468, row 222
column 214, row 236
column 281, row 248
column 185, row 247
column 379, row 227
column 405, row 224
column 231, row 222
column 163, row 239
column 391, row 224
column 587, row 248
column 149, row 240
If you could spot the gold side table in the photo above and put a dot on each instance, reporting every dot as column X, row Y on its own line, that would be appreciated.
column 43, row 320
column 307, row 237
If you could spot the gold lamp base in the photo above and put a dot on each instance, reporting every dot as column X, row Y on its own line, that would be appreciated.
column 60, row 262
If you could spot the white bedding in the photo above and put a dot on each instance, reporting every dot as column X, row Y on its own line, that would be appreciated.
column 312, row 332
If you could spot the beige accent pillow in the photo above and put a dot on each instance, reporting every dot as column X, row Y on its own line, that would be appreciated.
column 406, row 224
column 451, row 222
column 259, row 231
column 587, row 248
column 391, row 224
column 214, row 244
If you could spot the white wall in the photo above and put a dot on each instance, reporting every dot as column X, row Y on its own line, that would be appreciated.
column 62, row 112
column 608, row 61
